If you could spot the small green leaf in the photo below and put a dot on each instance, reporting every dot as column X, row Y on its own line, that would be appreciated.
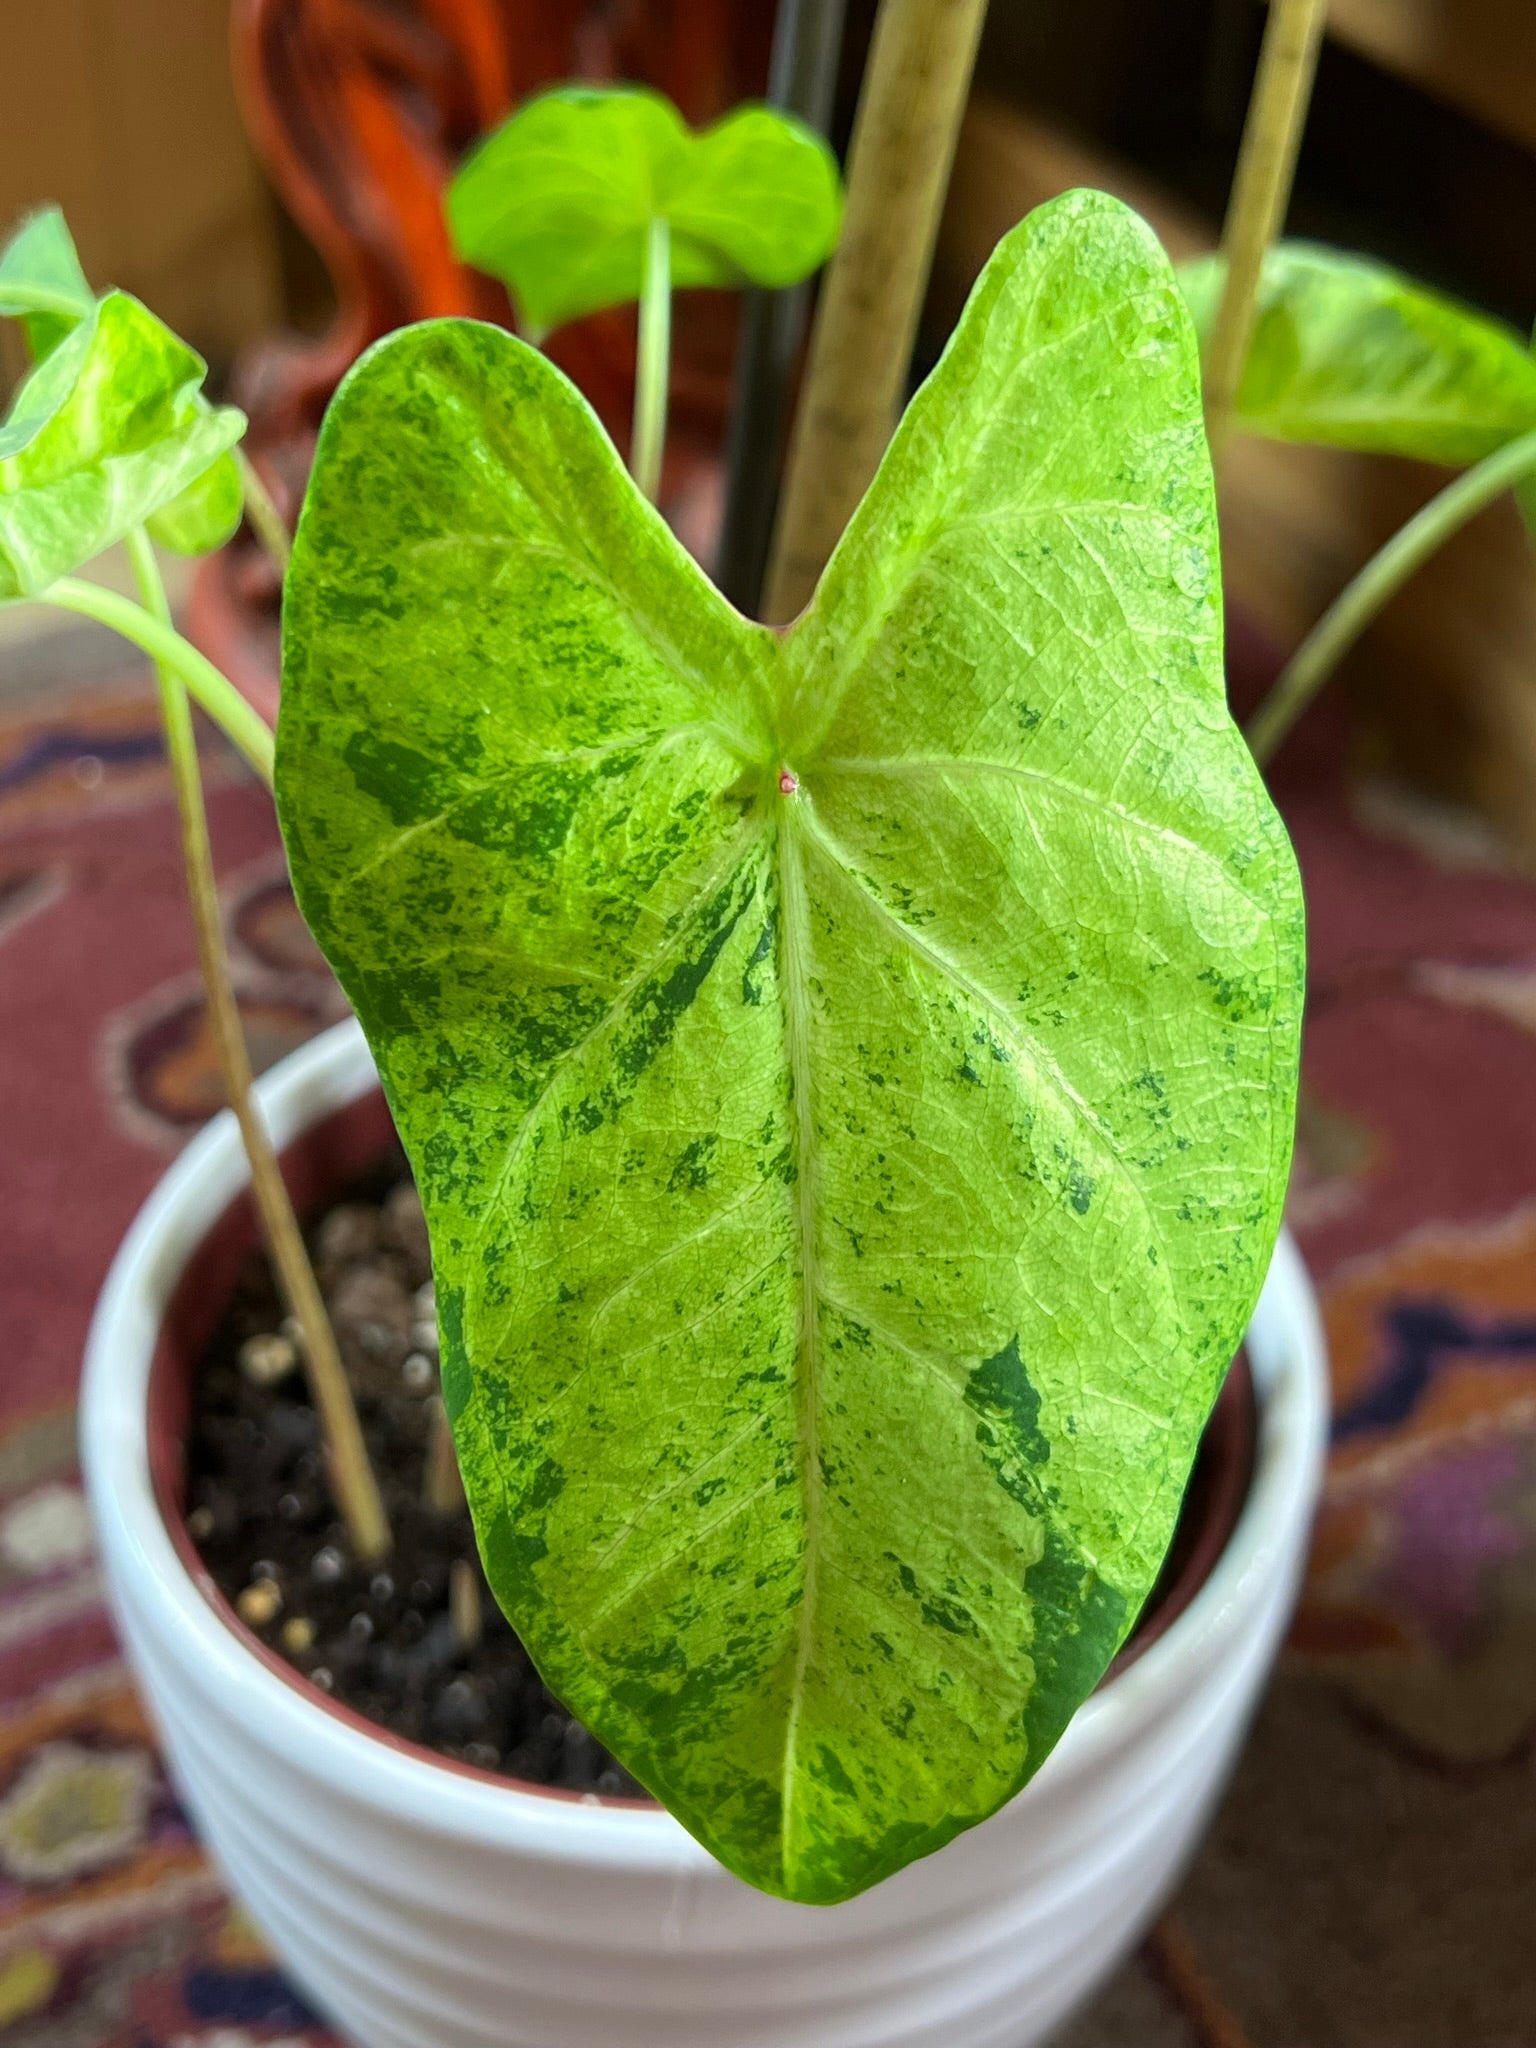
column 557, row 201
column 41, row 282
column 110, row 428
column 1353, row 355
column 205, row 515
column 849, row 1073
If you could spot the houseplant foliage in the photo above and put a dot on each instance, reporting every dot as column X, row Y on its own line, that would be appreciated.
column 849, row 1073
column 110, row 431
column 560, row 201
column 594, row 196
column 111, row 439
column 1349, row 353
column 110, row 434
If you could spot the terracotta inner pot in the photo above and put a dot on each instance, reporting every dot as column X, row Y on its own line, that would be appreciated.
column 343, row 1146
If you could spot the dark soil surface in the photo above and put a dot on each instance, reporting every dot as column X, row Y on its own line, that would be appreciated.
column 384, row 1641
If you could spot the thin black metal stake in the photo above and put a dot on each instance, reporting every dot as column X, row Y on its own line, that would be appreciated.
column 807, row 42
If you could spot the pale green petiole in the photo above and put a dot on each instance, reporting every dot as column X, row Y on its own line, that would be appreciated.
column 180, row 740
column 653, row 362
column 34, row 298
column 162, row 643
column 266, row 522
column 352, row 1478
column 1378, row 582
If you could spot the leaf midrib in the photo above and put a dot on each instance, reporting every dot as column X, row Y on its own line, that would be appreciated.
column 797, row 823
column 796, row 998
column 797, row 820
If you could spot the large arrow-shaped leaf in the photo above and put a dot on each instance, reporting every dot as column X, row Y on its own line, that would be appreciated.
column 849, row 1073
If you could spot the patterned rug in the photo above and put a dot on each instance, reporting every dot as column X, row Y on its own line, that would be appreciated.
column 1368, row 1881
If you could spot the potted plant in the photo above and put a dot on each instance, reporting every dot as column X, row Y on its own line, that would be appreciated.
column 848, row 1073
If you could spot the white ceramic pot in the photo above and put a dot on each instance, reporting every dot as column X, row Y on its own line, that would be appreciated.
column 424, row 1906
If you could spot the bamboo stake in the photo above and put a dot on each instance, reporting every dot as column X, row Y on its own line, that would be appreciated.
column 802, row 78
column 464, row 1606
column 442, row 1483
column 356, row 1490
column 1261, row 192
column 904, row 139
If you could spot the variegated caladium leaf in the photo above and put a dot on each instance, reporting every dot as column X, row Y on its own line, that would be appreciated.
column 1351, row 354
column 849, row 1072
column 110, row 431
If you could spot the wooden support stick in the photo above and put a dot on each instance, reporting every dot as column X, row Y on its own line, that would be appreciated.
column 352, row 1479
column 464, row 1604
column 904, row 139
column 443, row 1483
column 1261, row 192
column 802, row 77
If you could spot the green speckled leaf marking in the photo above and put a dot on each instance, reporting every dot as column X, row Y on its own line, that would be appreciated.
column 850, row 1073
column 1352, row 354
column 557, row 202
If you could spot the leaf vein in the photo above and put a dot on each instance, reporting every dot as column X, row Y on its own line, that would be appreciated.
column 898, row 765
column 721, row 872
column 1029, row 1048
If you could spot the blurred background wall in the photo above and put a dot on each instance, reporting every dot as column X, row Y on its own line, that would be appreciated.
column 124, row 112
